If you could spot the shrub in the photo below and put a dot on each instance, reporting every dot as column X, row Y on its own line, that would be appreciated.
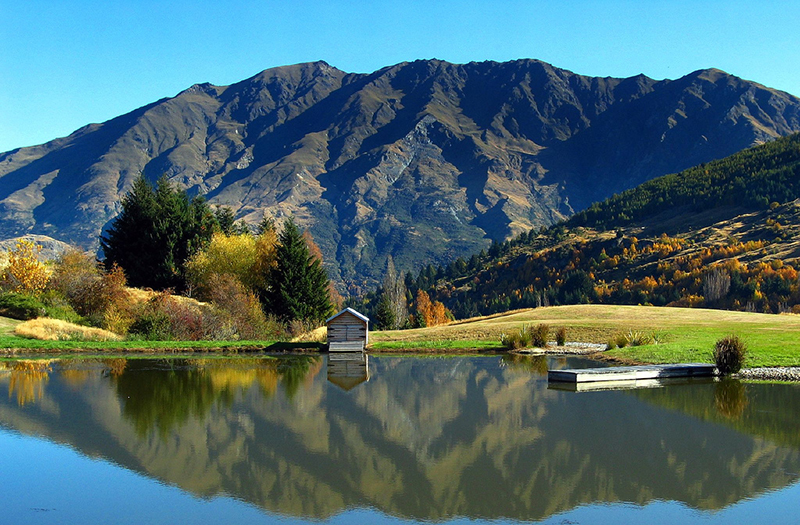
column 525, row 337
column 561, row 336
column 729, row 354
column 516, row 339
column 539, row 335
column 24, row 273
column 21, row 306
column 239, row 309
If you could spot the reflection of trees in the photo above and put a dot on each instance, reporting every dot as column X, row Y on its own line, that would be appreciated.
column 27, row 379
column 165, row 394
column 730, row 398
column 167, row 398
column 530, row 363
column 426, row 439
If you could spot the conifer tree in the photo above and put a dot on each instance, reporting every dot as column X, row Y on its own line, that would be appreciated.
column 156, row 232
column 299, row 288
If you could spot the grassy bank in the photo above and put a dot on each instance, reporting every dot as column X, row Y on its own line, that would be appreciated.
column 684, row 334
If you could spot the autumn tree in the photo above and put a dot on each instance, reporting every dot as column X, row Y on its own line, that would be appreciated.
column 24, row 273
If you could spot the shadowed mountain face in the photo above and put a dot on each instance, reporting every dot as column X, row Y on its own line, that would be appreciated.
column 424, row 439
column 425, row 161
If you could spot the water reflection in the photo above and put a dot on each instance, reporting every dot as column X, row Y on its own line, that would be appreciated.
column 347, row 370
column 730, row 398
column 423, row 438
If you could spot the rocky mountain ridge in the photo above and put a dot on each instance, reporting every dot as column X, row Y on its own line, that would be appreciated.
column 424, row 161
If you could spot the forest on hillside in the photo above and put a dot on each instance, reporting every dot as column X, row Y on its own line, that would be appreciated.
column 603, row 254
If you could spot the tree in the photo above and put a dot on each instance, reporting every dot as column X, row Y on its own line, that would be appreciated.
column 299, row 283
column 392, row 311
column 156, row 232
column 226, row 222
column 24, row 272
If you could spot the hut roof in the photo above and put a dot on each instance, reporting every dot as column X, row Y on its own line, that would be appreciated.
column 350, row 311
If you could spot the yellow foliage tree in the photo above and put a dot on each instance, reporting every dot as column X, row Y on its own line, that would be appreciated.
column 24, row 272
column 249, row 259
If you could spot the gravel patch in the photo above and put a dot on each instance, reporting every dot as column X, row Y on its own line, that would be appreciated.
column 568, row 349
column 777, row 373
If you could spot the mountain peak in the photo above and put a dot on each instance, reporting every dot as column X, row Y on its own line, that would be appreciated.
column 425, row 161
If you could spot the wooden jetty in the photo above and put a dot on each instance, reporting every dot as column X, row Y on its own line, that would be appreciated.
column 631, row 373
column 629, row 384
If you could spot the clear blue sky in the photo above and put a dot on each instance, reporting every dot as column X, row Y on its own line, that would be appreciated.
column 67, row 63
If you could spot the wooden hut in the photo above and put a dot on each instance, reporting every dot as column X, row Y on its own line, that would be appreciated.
column 348, row 331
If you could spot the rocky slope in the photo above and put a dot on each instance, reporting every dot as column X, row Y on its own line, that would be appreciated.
column 425, row 160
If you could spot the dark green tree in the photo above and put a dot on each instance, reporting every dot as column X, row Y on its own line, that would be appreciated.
column 157, row 230
column 384, row 314
column 226, row 221
column 299, row 282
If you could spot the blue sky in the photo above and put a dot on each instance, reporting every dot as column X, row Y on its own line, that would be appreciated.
column 67, row 63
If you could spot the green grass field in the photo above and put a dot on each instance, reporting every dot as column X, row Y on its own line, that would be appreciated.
column 685, row 334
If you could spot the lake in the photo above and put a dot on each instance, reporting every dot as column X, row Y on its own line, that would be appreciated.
column 393, row 440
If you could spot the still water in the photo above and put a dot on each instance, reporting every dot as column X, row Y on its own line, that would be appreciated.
column 395, row 440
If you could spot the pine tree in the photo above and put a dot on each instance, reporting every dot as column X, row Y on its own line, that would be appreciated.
column 156, row 232
column 385, row 319
column 299, row 282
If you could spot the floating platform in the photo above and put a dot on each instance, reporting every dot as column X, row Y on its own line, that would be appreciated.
column 630, row 384
column 631, row 373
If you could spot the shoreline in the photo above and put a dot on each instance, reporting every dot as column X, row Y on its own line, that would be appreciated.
column 589, row 350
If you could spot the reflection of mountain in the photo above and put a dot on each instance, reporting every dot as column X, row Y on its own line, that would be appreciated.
column 424, row 438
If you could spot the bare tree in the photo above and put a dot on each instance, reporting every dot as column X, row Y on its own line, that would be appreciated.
column 394, row 290
column 716, row 285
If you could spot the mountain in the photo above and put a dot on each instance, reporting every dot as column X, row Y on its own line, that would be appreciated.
column 725, row 234
column 424, row 161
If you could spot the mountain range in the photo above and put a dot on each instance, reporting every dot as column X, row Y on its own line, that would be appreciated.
column 424, row 161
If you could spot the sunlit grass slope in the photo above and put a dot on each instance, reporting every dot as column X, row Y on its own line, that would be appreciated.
column 684, row 334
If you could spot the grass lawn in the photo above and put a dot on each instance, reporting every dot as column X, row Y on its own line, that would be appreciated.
column 686, row 334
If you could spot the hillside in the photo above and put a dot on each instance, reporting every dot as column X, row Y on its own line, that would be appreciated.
column 722, row 235
column 425, row 161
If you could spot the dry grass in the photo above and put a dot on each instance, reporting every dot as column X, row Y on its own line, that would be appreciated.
column 56, row 330
column 594, row 323
column 318, row 335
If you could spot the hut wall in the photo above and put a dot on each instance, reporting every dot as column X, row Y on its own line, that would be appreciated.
column 347, row 327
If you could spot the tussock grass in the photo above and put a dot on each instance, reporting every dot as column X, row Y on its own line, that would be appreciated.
column 729, row 354
column 46, row 329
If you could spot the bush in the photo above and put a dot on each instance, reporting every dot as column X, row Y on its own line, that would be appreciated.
column 729, row 354
column 539, row 335
column 561, row 336
column 239, row 310
column 526, row 337
column 21, row 306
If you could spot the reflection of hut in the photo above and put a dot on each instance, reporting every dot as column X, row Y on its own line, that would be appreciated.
column 348, row 370
column 348, row 331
